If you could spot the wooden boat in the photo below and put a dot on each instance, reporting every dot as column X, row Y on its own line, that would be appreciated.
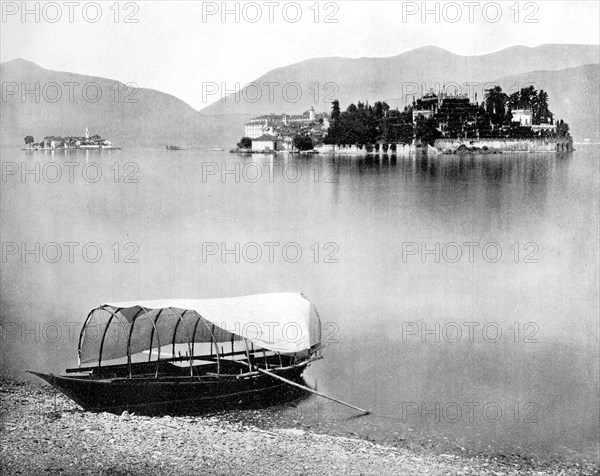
column 233, row 348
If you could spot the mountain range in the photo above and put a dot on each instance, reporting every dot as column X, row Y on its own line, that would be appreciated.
column 145, row 117
column 128, row 117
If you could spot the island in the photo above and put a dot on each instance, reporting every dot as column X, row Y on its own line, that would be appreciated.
column 70, row 142
column 434, row 123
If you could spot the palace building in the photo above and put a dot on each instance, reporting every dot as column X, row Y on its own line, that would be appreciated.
column 268, row 124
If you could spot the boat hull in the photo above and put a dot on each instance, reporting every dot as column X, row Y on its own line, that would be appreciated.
column 173, row 395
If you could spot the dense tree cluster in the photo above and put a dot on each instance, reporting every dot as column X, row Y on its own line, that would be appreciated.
column 536, row 101
column 366, row 124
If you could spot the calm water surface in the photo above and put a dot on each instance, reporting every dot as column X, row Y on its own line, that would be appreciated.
column 460, row 294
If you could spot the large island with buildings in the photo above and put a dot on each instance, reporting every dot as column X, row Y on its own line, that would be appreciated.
column 435, row 123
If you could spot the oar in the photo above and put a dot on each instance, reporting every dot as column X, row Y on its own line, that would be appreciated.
column 366, row 412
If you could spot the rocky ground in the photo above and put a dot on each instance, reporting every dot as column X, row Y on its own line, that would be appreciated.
column 43, row 433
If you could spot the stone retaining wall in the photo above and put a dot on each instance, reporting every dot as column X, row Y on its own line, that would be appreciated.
column 507, row 145
column 451, row 145
column 401, row 149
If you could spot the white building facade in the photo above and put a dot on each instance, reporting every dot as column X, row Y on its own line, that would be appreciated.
column 523, row 116
column 267, row 124
column 267, row 143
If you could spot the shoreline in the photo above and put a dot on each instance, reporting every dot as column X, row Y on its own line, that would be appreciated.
column 44, row 432
column 51, row 149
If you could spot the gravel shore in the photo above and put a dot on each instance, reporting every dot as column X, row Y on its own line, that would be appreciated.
column 43, row 433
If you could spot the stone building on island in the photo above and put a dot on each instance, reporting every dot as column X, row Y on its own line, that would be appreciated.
column 270, row 123
column 267, row 143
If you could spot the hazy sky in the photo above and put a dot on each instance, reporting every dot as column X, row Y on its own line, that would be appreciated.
column 175, row 49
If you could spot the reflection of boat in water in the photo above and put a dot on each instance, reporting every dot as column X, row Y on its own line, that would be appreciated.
column 174, row 147
column 244, row 347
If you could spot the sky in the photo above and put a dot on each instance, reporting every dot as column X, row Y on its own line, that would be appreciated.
column 181, row 47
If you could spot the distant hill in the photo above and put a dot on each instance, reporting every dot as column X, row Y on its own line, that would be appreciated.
column 154, row 119
column 568, row 72
column 572, row 92
column 573, row 95
column 383, row 78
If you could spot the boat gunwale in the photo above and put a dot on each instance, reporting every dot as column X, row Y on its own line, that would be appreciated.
column 212, row 377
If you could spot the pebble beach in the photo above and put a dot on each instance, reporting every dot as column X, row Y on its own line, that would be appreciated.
column 44, row 433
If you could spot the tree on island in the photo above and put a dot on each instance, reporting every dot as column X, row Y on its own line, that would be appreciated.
column 562, row 129
column 28, row 140
column 523, row 99
column 335, row 110
column 541, row 113
column 245, row 143
column 495, row 104
column 426, row 130
column 380, row 109
column 301, row 142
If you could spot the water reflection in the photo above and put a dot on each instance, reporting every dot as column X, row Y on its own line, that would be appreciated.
column 529, row 168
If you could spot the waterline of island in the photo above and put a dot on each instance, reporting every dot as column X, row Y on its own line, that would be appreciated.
column 439, row 147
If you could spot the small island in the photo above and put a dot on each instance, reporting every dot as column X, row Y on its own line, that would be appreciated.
column 70, row 142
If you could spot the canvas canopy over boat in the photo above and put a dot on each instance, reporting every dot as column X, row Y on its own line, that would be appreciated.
column 282, row 323
column 172, row 351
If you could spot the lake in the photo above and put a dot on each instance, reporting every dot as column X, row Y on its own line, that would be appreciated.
column 459, row 295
